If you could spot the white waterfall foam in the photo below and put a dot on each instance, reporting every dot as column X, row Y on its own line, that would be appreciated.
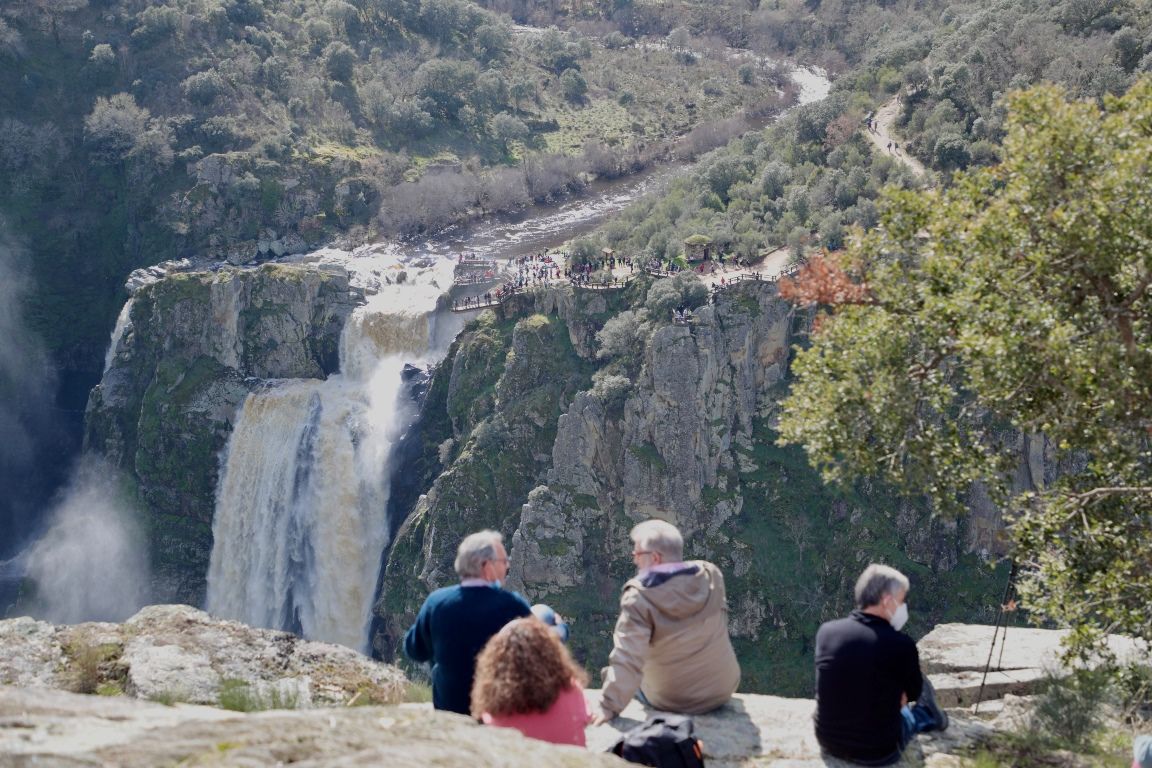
column 300, row 523
column 122, row 322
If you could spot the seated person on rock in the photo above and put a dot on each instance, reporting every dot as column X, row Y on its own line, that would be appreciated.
column 526, row 679
column 867, row 671
column 671, row 645
column 455, row 622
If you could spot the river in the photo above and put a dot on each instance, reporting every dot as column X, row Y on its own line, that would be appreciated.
column 548, row 226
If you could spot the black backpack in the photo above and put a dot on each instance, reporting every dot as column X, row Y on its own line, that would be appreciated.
column 663, row 741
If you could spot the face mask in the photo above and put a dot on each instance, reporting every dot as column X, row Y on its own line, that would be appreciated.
column 900, row 618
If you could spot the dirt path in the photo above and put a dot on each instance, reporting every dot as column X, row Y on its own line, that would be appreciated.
column 886, row 141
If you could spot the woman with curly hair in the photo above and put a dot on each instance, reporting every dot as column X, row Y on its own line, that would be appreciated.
column 526, row 679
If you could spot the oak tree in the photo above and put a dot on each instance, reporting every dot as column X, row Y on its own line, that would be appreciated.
column 1014, row 302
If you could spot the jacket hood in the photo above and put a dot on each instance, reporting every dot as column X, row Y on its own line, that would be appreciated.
column 678, row 593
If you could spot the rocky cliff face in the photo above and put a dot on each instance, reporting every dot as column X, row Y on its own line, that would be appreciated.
column 195, row 345
column 564, row 453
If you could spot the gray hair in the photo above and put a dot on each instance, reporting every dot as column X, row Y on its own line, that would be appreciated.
column 877, row 581
column 659, row 536
column 476, row 549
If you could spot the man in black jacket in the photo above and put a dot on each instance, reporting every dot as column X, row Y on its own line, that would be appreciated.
column 867, row 671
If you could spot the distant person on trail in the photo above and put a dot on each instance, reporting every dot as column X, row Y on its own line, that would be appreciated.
column 670, row 647
column 455, row 622
column 867, row 671
column 526, row 679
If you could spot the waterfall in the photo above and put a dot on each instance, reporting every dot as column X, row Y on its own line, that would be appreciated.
column 123, row 320
column 300, row 521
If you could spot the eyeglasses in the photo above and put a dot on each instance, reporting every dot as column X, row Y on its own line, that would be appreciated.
column 637, row 554
column 505, row 560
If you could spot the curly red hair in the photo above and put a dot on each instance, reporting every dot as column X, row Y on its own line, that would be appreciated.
column 523, row 669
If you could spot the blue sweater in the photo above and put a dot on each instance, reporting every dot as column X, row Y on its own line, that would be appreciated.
column 453, row 626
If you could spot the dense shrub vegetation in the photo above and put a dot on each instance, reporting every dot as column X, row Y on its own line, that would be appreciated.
column 137, row 131
column 808, row 180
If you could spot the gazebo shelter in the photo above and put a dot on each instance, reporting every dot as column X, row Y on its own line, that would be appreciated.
column 697, row 247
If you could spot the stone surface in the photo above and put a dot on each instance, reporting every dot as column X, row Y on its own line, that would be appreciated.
column 963, row 689
column 178, row 653
column 51, row 728
column 754, row 730
column 965, row 647
column 955, row 655
column 681, row 428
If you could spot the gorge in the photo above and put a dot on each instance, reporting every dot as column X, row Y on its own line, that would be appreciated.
column 297, row 517
column 256, row 410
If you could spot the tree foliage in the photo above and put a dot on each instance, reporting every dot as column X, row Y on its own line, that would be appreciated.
column 1015, row 302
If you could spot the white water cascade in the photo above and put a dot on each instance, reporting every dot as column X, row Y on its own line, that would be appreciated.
column 300, row 522
column 123, row 320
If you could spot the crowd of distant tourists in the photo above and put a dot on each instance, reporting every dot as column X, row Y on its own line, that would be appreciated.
column 541, row 269
column 505, row 663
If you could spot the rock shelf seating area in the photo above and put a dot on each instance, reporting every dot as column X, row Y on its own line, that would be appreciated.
column 755, row 730
column 55, row 728
column 67, row 730
column 179, row 653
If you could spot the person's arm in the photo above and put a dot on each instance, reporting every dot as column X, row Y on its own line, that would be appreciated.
column 625, row 667
column 523, row 609
column 418, row 640
column 913, row 679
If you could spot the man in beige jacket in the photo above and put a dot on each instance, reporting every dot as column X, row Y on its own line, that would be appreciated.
column 671, row 641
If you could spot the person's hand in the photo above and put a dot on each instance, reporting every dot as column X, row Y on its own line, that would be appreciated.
column 903, row 700
column 602, row 717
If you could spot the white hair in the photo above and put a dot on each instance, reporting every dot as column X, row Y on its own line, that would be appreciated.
column 877, row 581
column 476, row 549
column 659, row 536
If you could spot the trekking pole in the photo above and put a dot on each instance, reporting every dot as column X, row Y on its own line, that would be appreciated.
column 995, row 631
column 1007, row 607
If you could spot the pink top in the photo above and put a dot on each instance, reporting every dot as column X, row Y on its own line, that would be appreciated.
column 563, row 723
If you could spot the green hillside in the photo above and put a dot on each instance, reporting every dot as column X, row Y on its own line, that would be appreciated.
column 134, row 132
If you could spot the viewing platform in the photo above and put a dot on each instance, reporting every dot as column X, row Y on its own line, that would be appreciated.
column 475, row 270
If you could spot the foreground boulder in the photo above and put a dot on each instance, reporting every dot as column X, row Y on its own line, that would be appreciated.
column 54, row 728
column 176, row 653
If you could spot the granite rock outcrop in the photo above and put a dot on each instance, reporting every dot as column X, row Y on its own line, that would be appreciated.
column 176, row 653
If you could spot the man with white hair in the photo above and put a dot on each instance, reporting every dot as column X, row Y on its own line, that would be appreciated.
column 455, row 623
column 671, row 645
column 867, row 671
